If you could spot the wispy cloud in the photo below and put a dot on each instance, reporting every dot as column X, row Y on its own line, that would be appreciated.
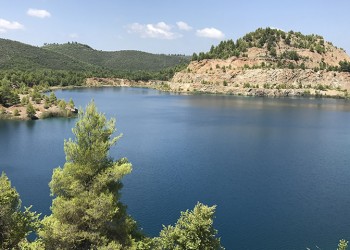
column 183, row 26
column 8, row 25
column 38, row 13
column 73, row 35
column 210, row 33
column 159, row 30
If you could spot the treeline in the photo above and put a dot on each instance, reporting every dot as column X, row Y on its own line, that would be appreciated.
column 12, row 82
column 116, row 61
column 87, row 212
column 77, row 78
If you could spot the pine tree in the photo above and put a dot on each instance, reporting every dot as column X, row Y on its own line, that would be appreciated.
column 193, row 230
column 87, row 212
column 343, row 245
column 71, row 103
column 30, row 111
column 15, row 225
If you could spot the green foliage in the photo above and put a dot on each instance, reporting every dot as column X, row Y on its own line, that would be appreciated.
column 71, row 103
column 52, row 98
column 246, row 85
column 8, row 95
column 24, row 100
column 193, row 230
column 70, row 64
column 15, row 225
column 268, row 39
column 16, row 55
column 87, row 212
column 344, row 66
column 291, row 55
column 74, row 57
column 16, row 112
column 30, row 111
column 62, row 104
column 117, row 60
column 194, row 57
column 343, row 245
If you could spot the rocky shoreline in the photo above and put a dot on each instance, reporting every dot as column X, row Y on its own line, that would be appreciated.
column 232, row 88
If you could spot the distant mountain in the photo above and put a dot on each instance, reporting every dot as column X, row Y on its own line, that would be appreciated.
column 117, row 60
column 16, row 55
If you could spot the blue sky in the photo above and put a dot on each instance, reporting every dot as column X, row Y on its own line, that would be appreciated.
column 164, row 26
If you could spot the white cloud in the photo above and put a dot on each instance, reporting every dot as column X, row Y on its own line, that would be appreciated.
column 183, row 26
column 74, row 35
column 274, row 28
column 159, row 30
column 8, row 25
column 38, row 13
column 210, row 33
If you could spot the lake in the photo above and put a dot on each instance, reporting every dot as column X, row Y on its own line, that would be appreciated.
column 277, row 169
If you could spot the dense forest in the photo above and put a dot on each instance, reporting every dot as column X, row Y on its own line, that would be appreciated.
column 80, row 57
column 126, row 60
column 70, row 64
column 86, row 210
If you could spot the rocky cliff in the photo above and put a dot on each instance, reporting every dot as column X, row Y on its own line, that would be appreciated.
column 269, row 62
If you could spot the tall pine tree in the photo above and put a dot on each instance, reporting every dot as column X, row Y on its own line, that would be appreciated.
column 86, row 211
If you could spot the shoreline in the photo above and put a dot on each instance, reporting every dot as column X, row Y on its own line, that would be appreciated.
column 198, row 88
column 171, row 87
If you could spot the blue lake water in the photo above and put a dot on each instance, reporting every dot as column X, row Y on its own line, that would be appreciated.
column 277, row 169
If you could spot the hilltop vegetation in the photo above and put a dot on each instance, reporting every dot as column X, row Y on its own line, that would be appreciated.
column 20, row 56
column 80, row 57
column 127, row 60
column 269, row 62
column 281, row 50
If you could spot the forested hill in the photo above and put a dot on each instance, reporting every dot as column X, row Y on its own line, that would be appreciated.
column 79, row 57
column 117, row 60
column 280, row 49
column 19, row 56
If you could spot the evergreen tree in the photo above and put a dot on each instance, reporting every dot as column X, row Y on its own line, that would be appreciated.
column 87, row 212
column 15, row 225
column 71, row 103
column 30, row 111
column 52, row 98
column 193, row 230
column 343, row 245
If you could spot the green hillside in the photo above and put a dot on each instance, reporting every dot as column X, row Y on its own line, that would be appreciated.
column 130, row 60
column 20, row 56
column 269, row 39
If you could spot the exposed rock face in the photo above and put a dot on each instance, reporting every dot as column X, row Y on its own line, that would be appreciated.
column 295, row 78
column 262, row 82
column 258, row 73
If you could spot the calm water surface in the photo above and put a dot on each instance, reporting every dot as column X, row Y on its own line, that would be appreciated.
column 277, row 169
